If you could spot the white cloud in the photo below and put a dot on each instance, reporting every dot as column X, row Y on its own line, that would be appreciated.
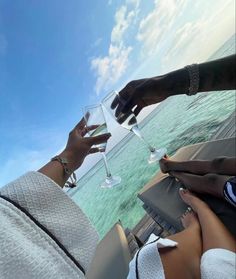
column 173, row 33
column 23, row 156
column 20, row 163
column 176, row 33
column 23, row 160
column 133, row 2
column 110, row 68
column 122, row 24
column 196, row 41
column 158, row 23
column 97, row 43
column 184, row 37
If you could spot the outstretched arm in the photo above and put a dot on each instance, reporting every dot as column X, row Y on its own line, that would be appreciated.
column 213, row 75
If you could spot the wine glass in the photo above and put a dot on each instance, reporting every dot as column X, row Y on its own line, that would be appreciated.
column 94, row 115
column 129, row 122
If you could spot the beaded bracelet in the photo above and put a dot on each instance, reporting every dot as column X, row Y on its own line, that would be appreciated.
column 64, row 162
column 193, row 71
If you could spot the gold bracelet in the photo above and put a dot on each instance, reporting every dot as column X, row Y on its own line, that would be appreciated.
column 72, row 176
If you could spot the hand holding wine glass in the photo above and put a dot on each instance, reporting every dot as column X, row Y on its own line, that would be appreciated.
column 138, row 94
column 114, row 103
column 78, row 146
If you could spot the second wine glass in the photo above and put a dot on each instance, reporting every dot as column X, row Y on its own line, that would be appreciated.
column 94, row 115
column 129, row 122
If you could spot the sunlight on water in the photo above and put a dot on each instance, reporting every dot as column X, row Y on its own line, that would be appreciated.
column 179, row 121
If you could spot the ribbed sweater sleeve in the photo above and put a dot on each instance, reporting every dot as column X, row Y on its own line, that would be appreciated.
column 43, row 199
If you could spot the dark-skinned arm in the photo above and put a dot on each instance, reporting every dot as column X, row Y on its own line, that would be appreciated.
column 213, row 76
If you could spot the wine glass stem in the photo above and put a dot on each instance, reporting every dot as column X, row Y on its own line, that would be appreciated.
column 137, row 132
column 106, row 164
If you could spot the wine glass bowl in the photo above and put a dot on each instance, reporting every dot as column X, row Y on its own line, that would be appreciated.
column 94, row 116
column 113, row 102
column 126, row 120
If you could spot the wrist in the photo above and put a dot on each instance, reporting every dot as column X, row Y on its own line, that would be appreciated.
column 177, row 82
column 72, row 159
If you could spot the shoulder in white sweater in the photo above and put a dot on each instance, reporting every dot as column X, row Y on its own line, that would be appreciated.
column 43, row 233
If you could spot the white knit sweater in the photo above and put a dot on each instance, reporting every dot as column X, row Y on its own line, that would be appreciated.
column 43, row 233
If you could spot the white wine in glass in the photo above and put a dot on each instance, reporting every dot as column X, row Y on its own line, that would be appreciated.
column 94, row 115
column 129, row 122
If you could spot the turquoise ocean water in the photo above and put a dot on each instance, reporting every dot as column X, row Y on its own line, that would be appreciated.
column 178, row 121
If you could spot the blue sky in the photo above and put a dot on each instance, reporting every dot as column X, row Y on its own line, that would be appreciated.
column 55, row 58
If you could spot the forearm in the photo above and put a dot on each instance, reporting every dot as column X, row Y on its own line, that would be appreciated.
column 195, row 167
column 55, row 170
column 213, row 76
column 218, row 74
column 220, row 165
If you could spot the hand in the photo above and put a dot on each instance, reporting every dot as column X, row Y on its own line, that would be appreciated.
column 138, row 94
column 78, row 146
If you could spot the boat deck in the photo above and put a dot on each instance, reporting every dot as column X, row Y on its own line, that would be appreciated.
column 152, row 222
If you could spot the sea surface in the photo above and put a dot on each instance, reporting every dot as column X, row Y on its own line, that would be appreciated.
column 178, row 121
